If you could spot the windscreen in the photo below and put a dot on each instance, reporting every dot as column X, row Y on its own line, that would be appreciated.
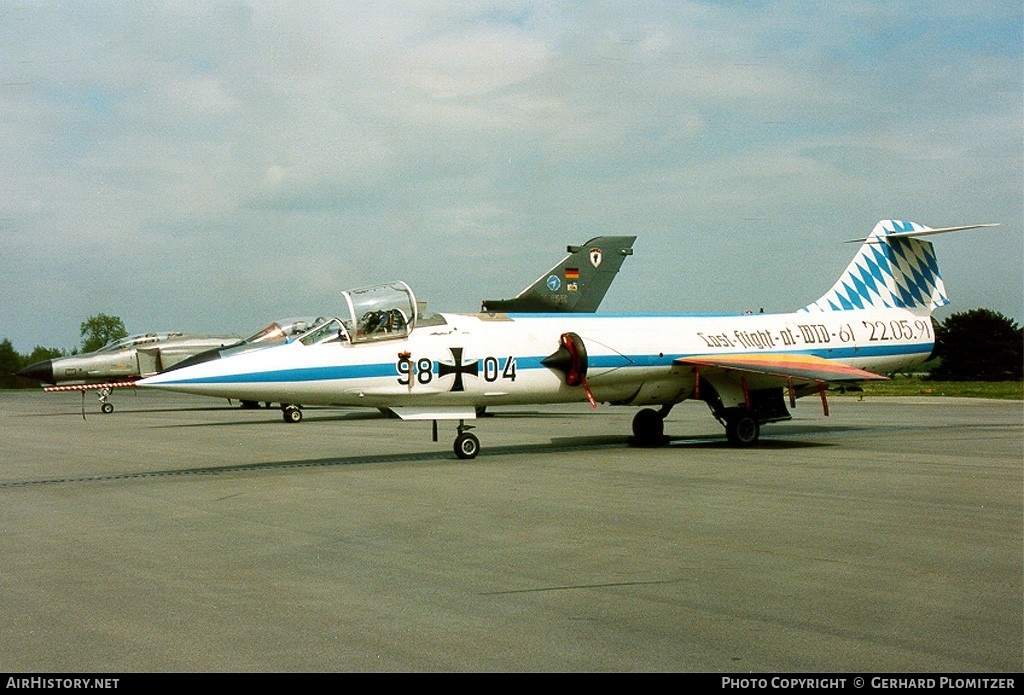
column 327, row 332
column 283, row 329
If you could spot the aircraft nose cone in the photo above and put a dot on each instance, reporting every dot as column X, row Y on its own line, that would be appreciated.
column 40, row 371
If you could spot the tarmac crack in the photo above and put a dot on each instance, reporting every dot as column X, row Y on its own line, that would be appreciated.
column 575, row 587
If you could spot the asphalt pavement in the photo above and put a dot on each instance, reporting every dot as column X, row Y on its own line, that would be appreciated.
column 184, row 534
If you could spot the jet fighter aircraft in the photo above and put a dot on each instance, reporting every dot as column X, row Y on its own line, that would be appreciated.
column 120, row 363
column 384, row 353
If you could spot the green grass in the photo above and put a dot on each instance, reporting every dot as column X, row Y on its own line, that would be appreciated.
column 917, row 386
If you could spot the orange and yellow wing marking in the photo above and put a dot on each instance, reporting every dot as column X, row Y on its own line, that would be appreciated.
column 783, row 365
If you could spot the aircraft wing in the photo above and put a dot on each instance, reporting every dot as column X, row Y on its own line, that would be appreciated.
column 785, row 366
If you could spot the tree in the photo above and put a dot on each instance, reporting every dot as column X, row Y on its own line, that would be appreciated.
column 40, row 353
column 10, row 364
column 979, row 344
column 101, row 329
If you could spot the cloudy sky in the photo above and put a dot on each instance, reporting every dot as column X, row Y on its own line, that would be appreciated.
column 211, row 166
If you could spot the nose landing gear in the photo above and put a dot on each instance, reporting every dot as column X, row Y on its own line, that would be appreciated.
column 466, row 446
column 291, row 413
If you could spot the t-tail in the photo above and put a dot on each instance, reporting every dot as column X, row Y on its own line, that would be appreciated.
column 894, row 268
column 576, row 284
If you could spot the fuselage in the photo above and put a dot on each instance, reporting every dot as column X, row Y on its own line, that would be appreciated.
column 495, row 359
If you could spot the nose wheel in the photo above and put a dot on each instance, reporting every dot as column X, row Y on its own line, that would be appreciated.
column 104, row 397
column 467, row 446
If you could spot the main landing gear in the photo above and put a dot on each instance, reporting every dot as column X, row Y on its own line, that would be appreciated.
column 741, row 427
column 649, row 427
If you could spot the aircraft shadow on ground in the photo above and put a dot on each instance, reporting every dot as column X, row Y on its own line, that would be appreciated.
column 442, row 456
column 556, row 445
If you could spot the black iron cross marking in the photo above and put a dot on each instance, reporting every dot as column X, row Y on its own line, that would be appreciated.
column 459, row 369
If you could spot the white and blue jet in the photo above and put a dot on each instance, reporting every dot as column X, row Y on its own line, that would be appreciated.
column 382, row 352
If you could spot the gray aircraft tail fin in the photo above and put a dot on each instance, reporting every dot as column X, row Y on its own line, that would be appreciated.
column 577, row 283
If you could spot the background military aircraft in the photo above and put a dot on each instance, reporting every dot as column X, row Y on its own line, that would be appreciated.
column 121, row 362
column 578, row 283
column 382, row 353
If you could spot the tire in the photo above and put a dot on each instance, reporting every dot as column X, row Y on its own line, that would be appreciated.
column 467, row 446
column 648, row 428
column 107, row 408
column 742, row 430
column 292, row 414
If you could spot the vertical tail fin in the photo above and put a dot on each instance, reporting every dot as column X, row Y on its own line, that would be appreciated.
column 892, row 269
column 577, row 283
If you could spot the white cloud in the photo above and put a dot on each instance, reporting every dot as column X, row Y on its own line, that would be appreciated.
column 225, row 139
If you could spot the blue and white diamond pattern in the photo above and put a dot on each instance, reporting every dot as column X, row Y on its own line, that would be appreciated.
column 898, row 272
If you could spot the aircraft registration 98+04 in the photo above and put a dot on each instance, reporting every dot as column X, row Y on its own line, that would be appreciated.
column 382, row 352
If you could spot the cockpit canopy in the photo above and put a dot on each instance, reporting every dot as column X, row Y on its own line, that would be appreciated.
column 282, row 330
column 380, row 312
column 137, row 340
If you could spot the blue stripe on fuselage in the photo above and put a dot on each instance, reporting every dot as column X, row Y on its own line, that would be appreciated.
column 332, row 373
column 369, row 371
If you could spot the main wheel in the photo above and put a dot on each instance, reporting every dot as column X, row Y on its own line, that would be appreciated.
column 467, row 446
column 107, row 408
column 648, row 427
column 742, row 430
column 292, row 413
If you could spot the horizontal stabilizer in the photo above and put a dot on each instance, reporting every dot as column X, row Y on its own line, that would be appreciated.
column 917, row 233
